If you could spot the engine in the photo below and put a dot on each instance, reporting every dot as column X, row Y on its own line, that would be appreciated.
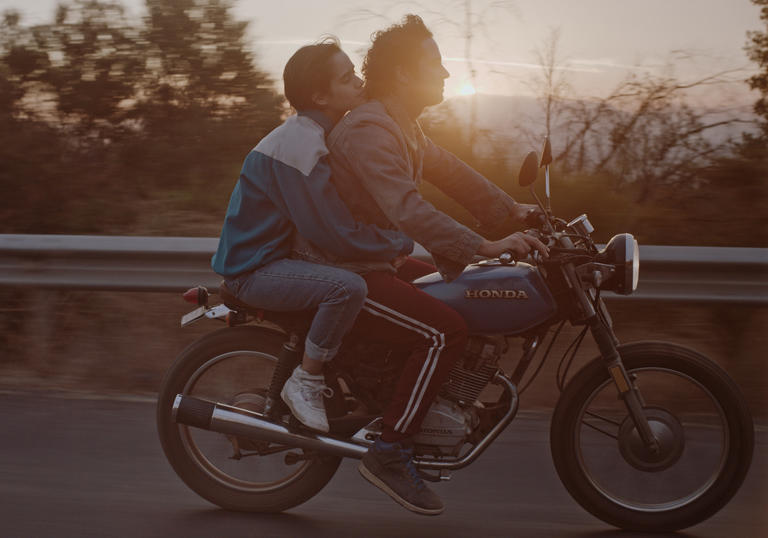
column 453, row 416
column 445, row 428
column 476, row 367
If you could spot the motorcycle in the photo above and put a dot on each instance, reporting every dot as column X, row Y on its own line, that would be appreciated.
column 648, row 436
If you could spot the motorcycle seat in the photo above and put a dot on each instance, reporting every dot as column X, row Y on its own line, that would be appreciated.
column 297, row 319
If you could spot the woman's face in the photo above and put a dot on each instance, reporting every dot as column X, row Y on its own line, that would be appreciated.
column 345, row 90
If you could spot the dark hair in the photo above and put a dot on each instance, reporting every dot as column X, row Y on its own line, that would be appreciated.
column 308, row 72
column 393, row 47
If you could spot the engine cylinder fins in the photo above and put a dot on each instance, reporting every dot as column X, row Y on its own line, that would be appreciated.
column 466, row 385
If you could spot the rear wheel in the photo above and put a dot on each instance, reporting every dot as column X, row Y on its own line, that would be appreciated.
column 697, row 414
column 234, row 366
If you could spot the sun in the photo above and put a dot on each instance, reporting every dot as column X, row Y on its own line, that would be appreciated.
column 467, row 89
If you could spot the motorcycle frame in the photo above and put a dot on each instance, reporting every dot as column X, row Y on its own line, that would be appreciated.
column 235, row 422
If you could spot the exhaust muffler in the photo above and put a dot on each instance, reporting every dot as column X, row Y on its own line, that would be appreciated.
column 229, row 420
column 221, row 418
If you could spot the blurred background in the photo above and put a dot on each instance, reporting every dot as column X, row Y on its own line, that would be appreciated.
column 133, row 117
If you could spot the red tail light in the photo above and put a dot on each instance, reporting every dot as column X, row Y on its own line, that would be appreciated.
column 197, row 295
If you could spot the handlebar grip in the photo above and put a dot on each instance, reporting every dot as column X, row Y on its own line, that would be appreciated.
column 535, row 218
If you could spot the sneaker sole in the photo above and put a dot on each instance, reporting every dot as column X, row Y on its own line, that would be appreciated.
column 373, row 479
column 293, row 412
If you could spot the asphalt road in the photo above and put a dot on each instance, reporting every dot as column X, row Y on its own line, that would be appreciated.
column 94, row 467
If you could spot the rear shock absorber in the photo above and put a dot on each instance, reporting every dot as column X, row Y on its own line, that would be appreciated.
column 286, row 362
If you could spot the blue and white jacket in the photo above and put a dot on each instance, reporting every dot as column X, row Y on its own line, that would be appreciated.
column 284, row 187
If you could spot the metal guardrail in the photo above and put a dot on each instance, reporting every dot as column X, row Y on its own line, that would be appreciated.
column 171, row 264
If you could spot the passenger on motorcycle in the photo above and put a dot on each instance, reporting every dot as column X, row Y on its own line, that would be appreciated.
column 284, row 188
column 379, row 155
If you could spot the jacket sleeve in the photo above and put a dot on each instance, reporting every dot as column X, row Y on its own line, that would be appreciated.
column 372, row 153
column 489, row 204
column 320, row 216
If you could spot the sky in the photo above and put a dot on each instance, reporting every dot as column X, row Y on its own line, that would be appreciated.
column 600, row 40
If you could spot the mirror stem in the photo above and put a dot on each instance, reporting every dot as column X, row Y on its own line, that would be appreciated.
column 546, row 187
column 551, row 228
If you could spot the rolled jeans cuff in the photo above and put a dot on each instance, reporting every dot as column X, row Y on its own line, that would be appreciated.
column 318, row 353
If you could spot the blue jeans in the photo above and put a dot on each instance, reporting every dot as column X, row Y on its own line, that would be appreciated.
column 287, row 285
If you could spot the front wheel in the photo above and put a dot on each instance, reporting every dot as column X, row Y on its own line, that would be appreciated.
column 234, row 366
column 697, row 414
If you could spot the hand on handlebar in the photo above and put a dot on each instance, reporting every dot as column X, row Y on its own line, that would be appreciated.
column 527, row 214
column 518, row 244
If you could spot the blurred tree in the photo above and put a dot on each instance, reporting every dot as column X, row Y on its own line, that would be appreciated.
column 95, row 57
column 644, row 135
column 550, row 85
column 206, row 102
column 757, row 50
column 105, row 119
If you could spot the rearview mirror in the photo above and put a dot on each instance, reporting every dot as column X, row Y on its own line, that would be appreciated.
column 529, row 169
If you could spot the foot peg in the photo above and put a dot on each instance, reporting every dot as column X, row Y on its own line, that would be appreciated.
column 441, row 476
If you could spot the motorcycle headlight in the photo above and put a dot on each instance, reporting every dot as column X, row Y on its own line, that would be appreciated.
column 623, row 253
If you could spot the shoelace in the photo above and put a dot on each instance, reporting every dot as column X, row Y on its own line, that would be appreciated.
column 313, row 394
column 412, row 471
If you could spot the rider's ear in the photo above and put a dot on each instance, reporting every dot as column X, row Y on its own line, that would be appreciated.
column 401, row 75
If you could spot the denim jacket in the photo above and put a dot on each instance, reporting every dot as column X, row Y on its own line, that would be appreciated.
column 284, row 188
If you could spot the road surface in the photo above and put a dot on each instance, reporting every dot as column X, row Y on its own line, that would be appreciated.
column 81, row 467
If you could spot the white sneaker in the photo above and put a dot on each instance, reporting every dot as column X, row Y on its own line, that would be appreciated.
column 303, row 394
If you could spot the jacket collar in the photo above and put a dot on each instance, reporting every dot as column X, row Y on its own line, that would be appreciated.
column 411, row 129
column 318, row 117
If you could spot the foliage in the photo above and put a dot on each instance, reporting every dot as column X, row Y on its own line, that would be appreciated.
column 757, row 50
column 643, row 134
column 114, row 125
column 102, row 115
column 715, row 203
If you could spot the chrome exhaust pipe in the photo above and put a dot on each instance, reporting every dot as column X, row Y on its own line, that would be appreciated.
column 229, row 420
column 221, row 418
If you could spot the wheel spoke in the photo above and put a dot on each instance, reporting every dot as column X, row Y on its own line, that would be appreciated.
column 604, row 419
column 609, row 434
column 691, row 457
column 239, row 378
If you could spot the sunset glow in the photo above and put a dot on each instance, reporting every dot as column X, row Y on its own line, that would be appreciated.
column 467, row 89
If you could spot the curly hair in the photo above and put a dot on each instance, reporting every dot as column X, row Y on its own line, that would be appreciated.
column 308, row 71
column 393, row 47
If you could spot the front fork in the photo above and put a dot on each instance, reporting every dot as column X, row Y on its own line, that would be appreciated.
column 626, row 386
column 607, row 344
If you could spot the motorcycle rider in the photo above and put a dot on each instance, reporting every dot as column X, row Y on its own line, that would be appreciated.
column 284, row 187
column 379, row 155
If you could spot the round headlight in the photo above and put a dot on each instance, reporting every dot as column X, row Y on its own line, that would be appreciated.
column 622, row 251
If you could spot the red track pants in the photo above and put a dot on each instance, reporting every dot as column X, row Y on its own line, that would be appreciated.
column 395, row 311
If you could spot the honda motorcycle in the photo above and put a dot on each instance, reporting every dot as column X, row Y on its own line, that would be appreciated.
column 648, row 436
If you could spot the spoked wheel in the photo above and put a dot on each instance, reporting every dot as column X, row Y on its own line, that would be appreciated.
column 698, row 417
column 234, row 366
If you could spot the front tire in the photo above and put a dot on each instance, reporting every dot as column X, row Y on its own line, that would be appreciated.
column 691, row 404
column 234, row 366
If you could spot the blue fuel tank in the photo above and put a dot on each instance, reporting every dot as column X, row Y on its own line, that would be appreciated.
column 494, row 298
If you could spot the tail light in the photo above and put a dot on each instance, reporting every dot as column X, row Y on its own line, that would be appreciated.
column 197, row 295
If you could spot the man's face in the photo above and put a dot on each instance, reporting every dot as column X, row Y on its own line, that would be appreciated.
column 345, row 90
column 428, row 82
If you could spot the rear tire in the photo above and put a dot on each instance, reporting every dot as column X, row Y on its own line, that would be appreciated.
column 239, row 361
column 609, row 478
